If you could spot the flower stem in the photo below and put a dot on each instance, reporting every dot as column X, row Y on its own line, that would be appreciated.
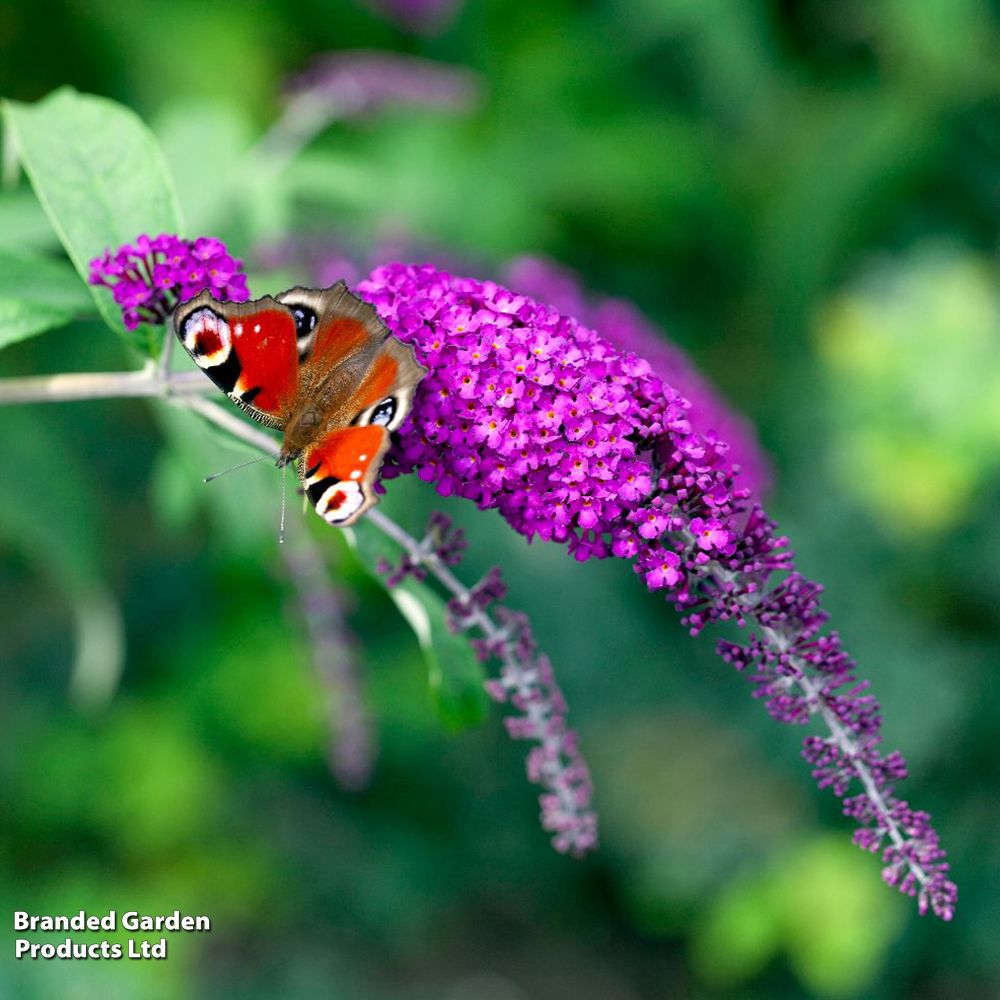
column 101, row 385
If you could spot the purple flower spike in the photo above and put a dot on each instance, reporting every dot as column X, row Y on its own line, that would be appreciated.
column 533, row 413
column 152, row 277
column 526, row 683
column 360, row 82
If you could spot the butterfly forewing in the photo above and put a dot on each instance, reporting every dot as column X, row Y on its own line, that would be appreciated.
column 332, row 322
column 248, row 349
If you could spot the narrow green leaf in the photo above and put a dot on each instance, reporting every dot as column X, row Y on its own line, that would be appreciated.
column 101, row 178
column 454, row 674
column 23, row 222
column 32, row 277
column 20, row 320
column 37, row 294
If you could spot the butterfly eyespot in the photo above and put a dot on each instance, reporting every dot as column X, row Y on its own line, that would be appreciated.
column 340, row 501
column 207, row 336
column 384, row 412
column 305, row 320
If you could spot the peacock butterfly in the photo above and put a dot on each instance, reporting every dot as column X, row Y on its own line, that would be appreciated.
column 318, row 365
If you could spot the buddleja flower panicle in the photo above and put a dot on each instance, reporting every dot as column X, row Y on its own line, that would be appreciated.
column 526, row 682
column 150, row 277
column 532, row 413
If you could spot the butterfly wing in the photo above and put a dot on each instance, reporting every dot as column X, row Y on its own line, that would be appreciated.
column 339, row 331
column 342, row 340
column 248, row 349
column 332, row 319
column 339, row 472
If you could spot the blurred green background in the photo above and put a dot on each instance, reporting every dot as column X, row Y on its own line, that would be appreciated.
column 806, row 196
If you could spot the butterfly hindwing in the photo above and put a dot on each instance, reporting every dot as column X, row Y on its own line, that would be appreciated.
column 249, row 349
column 386, row 394
column 338, row 473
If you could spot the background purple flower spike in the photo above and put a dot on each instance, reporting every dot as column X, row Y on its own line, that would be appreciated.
column 421, row 17
column 361, row 82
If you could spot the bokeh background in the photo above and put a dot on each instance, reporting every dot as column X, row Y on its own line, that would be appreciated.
column 805, row 196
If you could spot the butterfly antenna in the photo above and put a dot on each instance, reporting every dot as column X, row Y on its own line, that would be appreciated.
column 242, row 465
column 281, row 528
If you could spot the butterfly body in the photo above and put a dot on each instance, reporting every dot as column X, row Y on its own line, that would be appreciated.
column 318, row 365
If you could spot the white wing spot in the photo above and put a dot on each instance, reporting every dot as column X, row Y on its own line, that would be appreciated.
column 238, row 332
column 256, row 328
column 356, row 474
column 361, row 458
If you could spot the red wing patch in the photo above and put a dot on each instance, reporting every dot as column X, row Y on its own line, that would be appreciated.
column 248, row 349
column 377, row 382
column 333, row 323
column 339, row 472
column 339, row 336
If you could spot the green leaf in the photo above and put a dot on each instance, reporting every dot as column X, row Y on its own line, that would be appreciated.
column 101, row 178
column 454, row 673
column 23, row 222
column 33, row 277
column 37, row 294
column 243, row 507
column 20, row 320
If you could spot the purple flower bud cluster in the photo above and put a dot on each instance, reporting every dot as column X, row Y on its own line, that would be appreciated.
column 442, row 540
column 525, row 410
column 627, row 329
column 526, row 682
column 148, row 279
column 533, row 413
